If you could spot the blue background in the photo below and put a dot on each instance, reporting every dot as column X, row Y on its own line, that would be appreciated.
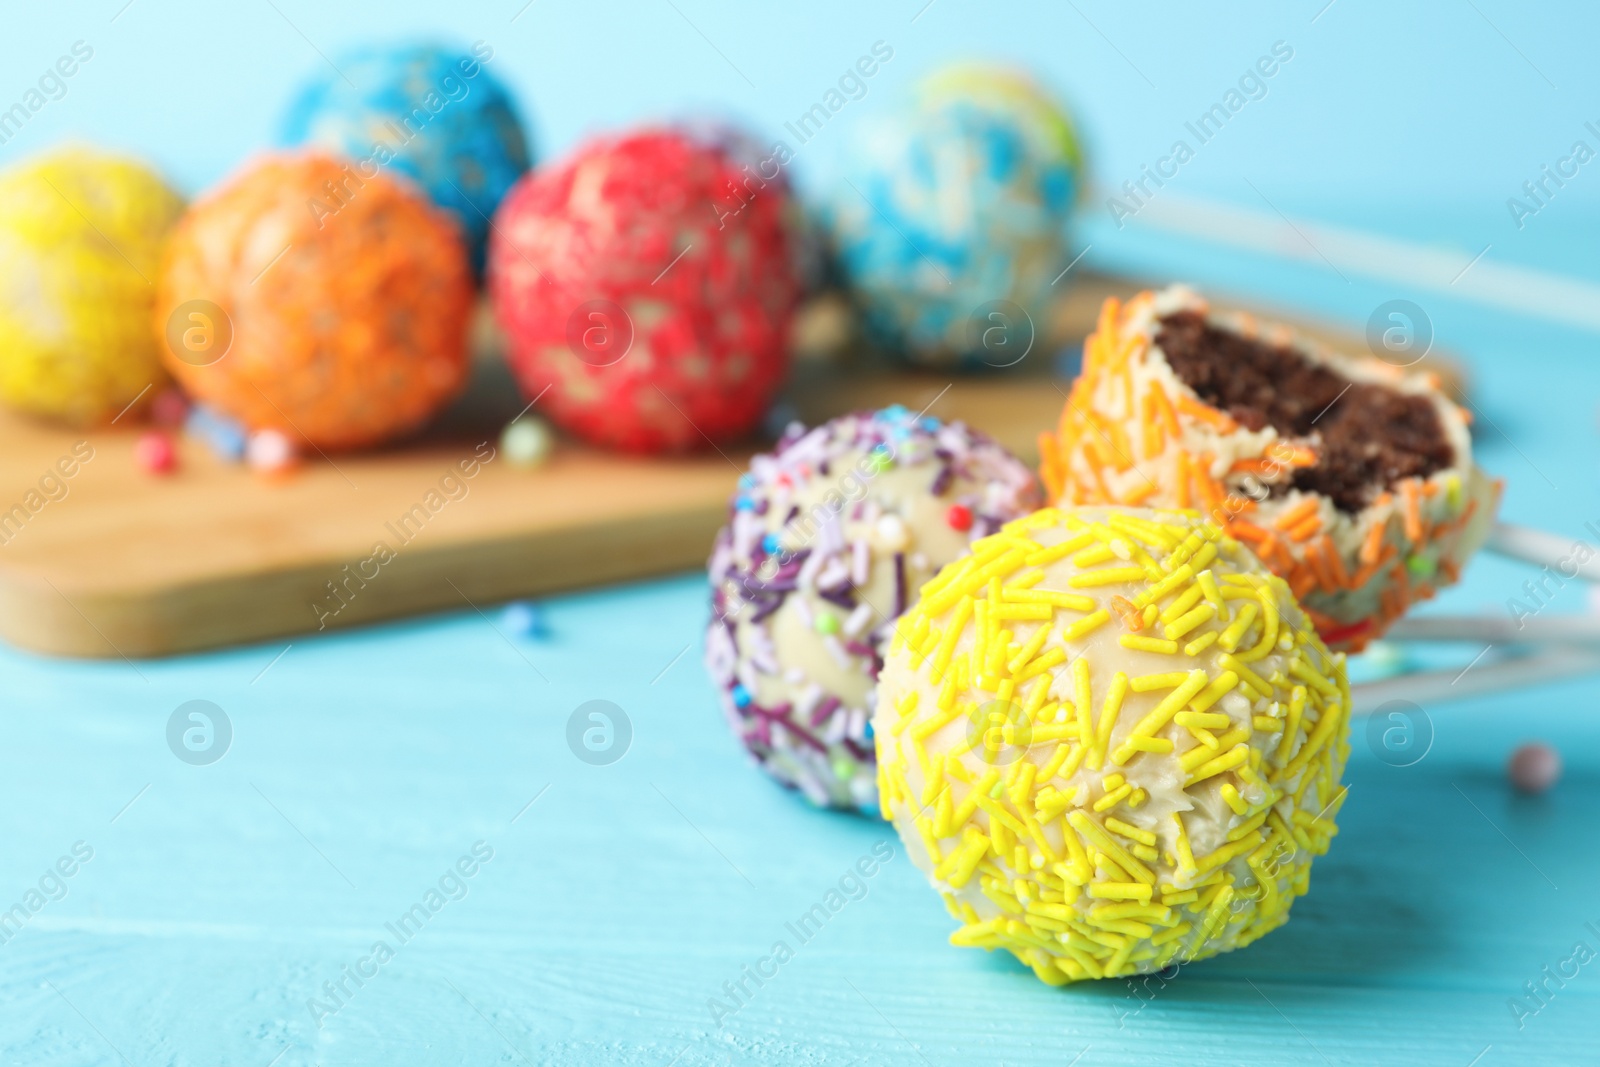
column 221, row 898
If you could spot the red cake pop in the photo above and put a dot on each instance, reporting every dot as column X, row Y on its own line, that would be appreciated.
column 648, row 282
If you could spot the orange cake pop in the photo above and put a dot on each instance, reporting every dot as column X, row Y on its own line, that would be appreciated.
column 310, row 299
column 1353, row 479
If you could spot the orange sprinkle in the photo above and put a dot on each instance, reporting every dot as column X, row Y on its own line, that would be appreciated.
column 1306, row 530
column 1208, row 414
column 1096, row 470
column 1300, row 582
column 1183, row 479
column 1303, row 456
column 1374, row 541
column 1319, row 567
column 1151, row 429
column 1169, row 418
column 1141, row 494
column 1413, row 509
column 1335, row 564
column 1293, row 515
column 1132, row 618
column 1240, row 530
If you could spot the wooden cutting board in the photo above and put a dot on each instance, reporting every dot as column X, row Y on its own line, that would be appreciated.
column 119, row 563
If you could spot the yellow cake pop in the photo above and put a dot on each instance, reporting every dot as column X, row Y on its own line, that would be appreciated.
column 80, row 239
column 1112, row 741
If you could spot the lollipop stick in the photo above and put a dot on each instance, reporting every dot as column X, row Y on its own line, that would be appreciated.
column 1499, row 629
column 1548, row 550
column 1495, row 676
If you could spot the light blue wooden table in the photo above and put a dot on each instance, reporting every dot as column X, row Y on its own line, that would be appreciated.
column 229, row 912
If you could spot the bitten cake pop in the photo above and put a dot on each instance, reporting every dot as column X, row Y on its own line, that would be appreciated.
column 80, row 240
column 431, row 114
column 954, row 211
column 1352, row 478
column 655, row 314
column 1113, row 742
column 342, row 331
column 828, row 538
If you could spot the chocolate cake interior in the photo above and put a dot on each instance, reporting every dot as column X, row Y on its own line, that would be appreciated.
column 1369, row 437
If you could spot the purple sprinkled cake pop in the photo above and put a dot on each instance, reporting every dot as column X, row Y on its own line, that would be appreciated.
column 828, row 539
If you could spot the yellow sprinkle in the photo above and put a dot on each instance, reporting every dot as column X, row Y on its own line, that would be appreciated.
column 1117, row 826
column 907, row 707
column 1186, row 865
column 1030, row 612
column 1093, row 556
column 1035, row 699
column 1229, row 852
column 1105, row 576
column 1266, row 724
column 1202, row 720
column 1249, row 826
column 1161, row 588
column 1174, row 899
column 1269, row 626
column 1053, row 658
column 1164, row 711
column 1096, row 833
column 1029, row 650
column 1022, row 584
column 947, row 642
column 1201, row 643
column 1109, row 712
column 1196, row 756
column 1186, row 600
column 1112, row 799
column 1221, row 764
column 1082, row 701
column 1133, row 909
column 1147, row 682
column 1319, row 735
column 1053, row 765
column 1291, row 726
column 1148, row 644
column 1120, row 891
column 1160, row 745
column 1236, row 630
column 1221, row 687
column 1251, row 678
column 1111, row 781
column 1086, row 625
column 1046, row 556
column 1231, row 797
column 981, row 787
column 1157, row 535
column 1207, row 581
column 933, row 723
column 1189, row 620
column 1308, row 674
column 1072, row 601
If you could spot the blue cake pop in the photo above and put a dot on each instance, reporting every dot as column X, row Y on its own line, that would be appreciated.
column 952, row 218
column 432, row 114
